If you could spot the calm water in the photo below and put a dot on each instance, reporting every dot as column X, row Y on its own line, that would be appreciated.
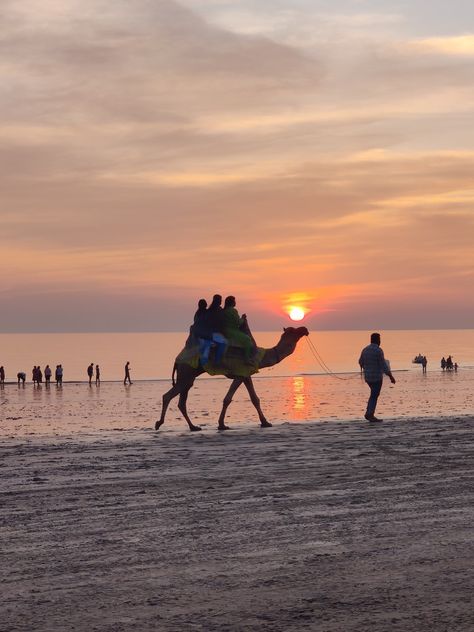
column 296, row 390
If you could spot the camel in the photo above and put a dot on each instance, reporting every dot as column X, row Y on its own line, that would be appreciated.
column 186, row 374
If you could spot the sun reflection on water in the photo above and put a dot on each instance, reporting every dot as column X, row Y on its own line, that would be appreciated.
column 299, row 398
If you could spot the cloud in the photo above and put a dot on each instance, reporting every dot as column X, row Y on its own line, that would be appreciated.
column 460, row 45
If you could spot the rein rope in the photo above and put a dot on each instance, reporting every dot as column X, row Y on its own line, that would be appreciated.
column 321, row 362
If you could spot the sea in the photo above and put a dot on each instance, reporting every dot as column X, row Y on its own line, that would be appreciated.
column 321, row 381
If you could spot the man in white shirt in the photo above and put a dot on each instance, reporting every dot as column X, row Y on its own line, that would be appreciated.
column 374, row 365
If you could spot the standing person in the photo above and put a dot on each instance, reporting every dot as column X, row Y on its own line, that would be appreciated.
column 90, row 372
column 373, row 362
column 127, row 374
column 443, row 363
column 2, row 375
column 34, row 375
column 59, row 375
column 39, row 374
column 424, row 362
column 47, row 374
column 97, row 375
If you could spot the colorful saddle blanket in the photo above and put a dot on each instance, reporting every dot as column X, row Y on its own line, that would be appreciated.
column 232, row 363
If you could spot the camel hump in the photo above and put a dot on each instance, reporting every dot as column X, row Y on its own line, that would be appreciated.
column 233, row 362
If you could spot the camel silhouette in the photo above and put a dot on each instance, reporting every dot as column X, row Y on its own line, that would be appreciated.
column 186, row 374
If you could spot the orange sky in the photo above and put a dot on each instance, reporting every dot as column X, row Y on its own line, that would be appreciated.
column 309, row 153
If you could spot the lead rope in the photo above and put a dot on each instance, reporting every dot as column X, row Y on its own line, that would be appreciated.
column 321, row 362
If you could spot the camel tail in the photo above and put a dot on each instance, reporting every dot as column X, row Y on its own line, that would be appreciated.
column 173, row 374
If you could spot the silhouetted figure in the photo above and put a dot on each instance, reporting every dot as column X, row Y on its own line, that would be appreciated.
column 373, row 362
column 21, row 377
column 90, row 372
column 424, row 363
column 127, row 374
column 443, row 363
column 201, row 331
column 47, row 374
column 97, row 375
column 233, row 324
column 455, row 367
column 59, row 375
column 34, row 375
column 39, row 375
column 449, row 363
column 2, row 375
column 216, row 323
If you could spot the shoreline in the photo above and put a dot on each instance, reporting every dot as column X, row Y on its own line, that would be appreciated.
column 334, row 526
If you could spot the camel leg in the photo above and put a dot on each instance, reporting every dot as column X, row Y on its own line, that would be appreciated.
column 183, row 396
column 256, row 402
column 167, row 397
column 226, row 403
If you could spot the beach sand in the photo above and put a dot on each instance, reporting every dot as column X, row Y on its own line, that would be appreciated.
column 337, row 527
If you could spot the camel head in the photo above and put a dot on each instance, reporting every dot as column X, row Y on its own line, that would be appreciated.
column 294, row 332
column 288, row 341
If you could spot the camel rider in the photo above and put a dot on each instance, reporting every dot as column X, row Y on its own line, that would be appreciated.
column 233, row 325
column 215, row 316
column 201, row 331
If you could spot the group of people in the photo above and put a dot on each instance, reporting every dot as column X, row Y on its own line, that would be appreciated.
column 37, row 375
column 220, row 327
column 447, row 364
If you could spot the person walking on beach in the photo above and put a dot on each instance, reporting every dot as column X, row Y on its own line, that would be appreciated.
column 374, row 365
column 90, row 372
column 97, row 375
column 2, row 375
column 127, row 374
column 424, row 362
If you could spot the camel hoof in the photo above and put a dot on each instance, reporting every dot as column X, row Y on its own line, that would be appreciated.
column 195, row 428
column 158, row 424
column 224, row 427
column 266, row 424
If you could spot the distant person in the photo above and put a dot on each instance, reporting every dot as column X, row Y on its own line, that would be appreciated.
column 39, row 374
column 59, row 375
column 2, row 375
column 216, row 323
column 449, row 363
column 127, row 374
column 233, row 324
column 97, row 375
column 34, row 375
column 47, row 374
column 424, row 363
column 373, row 362
column 90, row 372
column 455, row 367
column 21, row 377
column 443, row 363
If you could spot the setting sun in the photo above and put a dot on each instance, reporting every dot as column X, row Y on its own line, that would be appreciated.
column 296, row 313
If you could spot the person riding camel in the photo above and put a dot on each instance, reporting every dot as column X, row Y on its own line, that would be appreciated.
column 233, row 329
column 215, row 316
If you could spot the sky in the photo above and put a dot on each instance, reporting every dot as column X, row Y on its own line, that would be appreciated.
column 305, row 152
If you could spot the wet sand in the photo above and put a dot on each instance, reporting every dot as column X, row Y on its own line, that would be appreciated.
column 337, row 527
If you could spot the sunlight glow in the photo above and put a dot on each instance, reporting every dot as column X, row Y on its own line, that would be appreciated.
column 297, row 313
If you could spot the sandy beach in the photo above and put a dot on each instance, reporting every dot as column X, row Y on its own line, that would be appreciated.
column 332, row 527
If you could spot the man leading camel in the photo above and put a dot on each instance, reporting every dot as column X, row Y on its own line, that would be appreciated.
column 374, row 365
